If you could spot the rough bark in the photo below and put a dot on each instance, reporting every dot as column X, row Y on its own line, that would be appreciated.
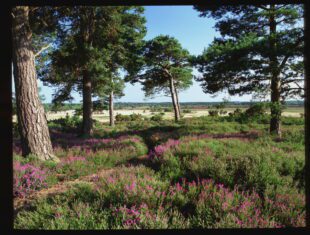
column 87, row 29
column 33, row 129
column 275, row 121
column 111, row 109
column 174, row 99
column 87, row 105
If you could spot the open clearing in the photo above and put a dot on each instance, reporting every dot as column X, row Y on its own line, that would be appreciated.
column 104, row 116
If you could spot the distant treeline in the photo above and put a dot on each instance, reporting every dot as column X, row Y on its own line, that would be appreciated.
column 150, row 105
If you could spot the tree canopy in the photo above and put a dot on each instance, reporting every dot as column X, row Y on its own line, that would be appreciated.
column 239, row 60
column 164, row 57
column 260, row 51
column 115, row 37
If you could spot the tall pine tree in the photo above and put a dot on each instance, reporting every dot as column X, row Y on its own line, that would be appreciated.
column 84, row 37
column 32, row 123
column 260, row 50
column 165, row 69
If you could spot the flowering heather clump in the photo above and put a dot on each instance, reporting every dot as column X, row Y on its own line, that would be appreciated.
column 161, row 149
column 215, row 204
column 132, row 186
column 288, row 208
column 130, row 217
column 27, row 179
column 143, row 217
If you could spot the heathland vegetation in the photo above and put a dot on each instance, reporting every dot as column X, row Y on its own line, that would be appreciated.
column 238, row 165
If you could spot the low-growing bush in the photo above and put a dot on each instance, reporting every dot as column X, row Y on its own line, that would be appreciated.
column 157, row 117
column 128, row 118
column 230, row 162
column 71, row 124
column 27, row 179
column 166, row 110
column 135, row 198
column 214, row 113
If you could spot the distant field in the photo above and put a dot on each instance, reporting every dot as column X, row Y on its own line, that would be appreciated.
column 104, row 116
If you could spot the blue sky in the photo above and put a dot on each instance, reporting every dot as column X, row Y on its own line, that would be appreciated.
column 193, row 32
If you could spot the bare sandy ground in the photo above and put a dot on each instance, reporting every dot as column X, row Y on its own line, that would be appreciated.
column 104, row 116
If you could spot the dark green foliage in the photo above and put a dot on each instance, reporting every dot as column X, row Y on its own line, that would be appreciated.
column 157, row 117
column 256, row 110
column 162, row 54
column 214, row 113
column 71, row 124
column 101, row 104
column 260, row 51
column 128, row 118
column 166, row 110
column 111, row 28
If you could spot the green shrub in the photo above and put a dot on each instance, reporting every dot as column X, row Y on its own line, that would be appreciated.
column 231, row 162
column 157, row 117
column 128, row 118
column 214, row 113
column 166, row 110
column 255, row 110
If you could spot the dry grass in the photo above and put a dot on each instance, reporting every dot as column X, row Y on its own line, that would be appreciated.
column 104, row 116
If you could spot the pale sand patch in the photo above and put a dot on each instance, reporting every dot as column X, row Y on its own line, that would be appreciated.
column 104, row 116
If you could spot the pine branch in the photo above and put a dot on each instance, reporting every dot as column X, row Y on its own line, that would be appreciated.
column 300, row 40
column 263, row 7
column 42, row 49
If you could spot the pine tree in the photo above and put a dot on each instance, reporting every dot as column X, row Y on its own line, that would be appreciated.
column 31, row 117
column 84, row 39
column 165, row 69
column 260, row 50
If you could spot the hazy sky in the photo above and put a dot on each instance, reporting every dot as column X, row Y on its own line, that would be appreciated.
column 193, row 32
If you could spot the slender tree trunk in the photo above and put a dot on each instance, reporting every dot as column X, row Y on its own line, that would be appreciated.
column 174, row 100
column 275, row 121
column 111, row 109
column 87, row 105
column 33, row 129
column 177, row 98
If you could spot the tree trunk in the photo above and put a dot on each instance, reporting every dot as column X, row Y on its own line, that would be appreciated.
column 33, row 129
column 174, row 100
column 87, row 27
column 177, row 98
column 111, row 109
column 275, row 121
column 87, row 105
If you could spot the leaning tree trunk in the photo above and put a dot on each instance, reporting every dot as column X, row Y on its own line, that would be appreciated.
column 275, row 121
column 33, row 129
column 174, row 100
column 111, row 109
column 177, row 98
column 87, row 105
